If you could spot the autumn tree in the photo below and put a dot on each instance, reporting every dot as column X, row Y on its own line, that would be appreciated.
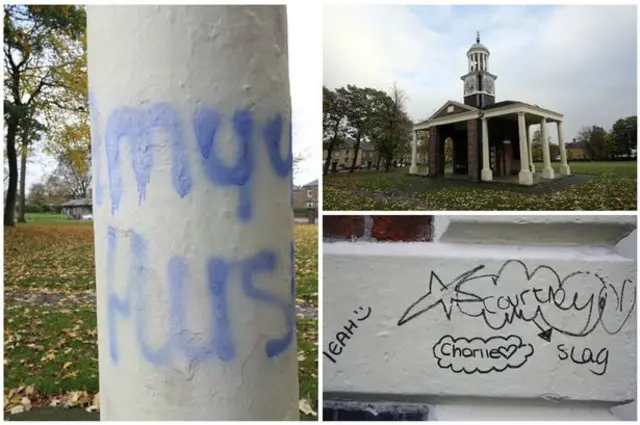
column 30, row 132
column 74, row 175
column 334, row 114
column 391, row 127
column 593, row 141
column 359, row 115
column 624, row 135
column 37, row 194
column 38, row 63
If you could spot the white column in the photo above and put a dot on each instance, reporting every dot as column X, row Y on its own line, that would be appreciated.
column 525, row 177
column 486, row 174
column 414, row 154
column 194, row 236
column 547, row 171
column 530, row 149
column 564, row 167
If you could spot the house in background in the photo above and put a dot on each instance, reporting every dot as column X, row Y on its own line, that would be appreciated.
column 311, row 192
column 77, row 208
column 343, row 155
column 304, row 194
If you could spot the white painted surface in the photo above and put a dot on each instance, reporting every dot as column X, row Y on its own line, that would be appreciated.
column 167, row 64
column 394, row 361
column 534, row 229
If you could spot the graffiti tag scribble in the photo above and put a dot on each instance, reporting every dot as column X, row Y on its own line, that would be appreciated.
column 495, row 354
column 573, row 305
column 336, row 349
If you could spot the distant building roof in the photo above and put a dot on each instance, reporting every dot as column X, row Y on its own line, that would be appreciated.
column 84, row 202
column 313, row 183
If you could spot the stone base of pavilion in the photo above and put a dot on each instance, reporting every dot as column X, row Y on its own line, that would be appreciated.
column 538, row 178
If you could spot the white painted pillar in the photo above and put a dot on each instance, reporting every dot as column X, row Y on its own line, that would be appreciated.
column 532, row 166
column 525, row 177
column 486, row 174
column 193, row 224
column 564, row 166
column 547, row 171
column 414, row 154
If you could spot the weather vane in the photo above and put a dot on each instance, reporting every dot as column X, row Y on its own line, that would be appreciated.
column 478, row 36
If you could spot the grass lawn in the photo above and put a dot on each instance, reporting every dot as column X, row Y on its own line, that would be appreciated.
column 604, row 186
column 50, row 335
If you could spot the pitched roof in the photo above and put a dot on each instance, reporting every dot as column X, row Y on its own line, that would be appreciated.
column 502, row 103
column 313, row 183
column 84, row 202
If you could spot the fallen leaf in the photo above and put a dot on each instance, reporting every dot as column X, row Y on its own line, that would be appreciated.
column 17, row 409
column 26, row 403
column 305, row 407
column 30, row 390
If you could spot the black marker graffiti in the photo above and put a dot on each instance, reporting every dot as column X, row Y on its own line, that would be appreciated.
column 495, row 354
column 341, row 336
column 587, row 356
column 573, row 305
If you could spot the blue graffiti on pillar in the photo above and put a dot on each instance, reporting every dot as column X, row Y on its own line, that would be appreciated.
column 136, row 286
column 138, row 282
column 265, row 261
column 138, row 125
column 180, row 339
column 115, row 305
column 221, row 344
column 273, row 135
column 207, row 122
column 95, row 148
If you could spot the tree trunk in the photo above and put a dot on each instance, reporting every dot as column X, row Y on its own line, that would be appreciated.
column 388, row 164
column 327, row 162
column 10, row 202
column 332, row 144
column 378, row 162
column 355, row 154
column 23, row 184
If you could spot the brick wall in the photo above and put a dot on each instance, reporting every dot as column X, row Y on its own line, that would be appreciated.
column 405, row 228
column 472, row 149
column 434, row 154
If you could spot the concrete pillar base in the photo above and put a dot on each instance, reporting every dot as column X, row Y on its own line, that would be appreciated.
column 547, row 173
column 525, row 178
column 413, row 169
column 565, row 170
column 486, row 175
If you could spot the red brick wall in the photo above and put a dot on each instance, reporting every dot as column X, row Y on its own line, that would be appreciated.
column 415, row 228
column 434, row 152
column 472, row 149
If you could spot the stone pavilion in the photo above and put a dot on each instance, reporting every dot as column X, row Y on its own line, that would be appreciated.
column 491, row 140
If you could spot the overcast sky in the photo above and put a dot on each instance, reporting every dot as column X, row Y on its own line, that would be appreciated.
column 305, row 67
column 579, row 61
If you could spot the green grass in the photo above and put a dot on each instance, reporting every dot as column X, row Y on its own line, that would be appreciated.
column 627, row 169
column 46, row 217
column 599, row 186
column 50, row 336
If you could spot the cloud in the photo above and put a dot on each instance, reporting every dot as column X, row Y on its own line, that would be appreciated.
column 578, row 60
column 494, row 354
